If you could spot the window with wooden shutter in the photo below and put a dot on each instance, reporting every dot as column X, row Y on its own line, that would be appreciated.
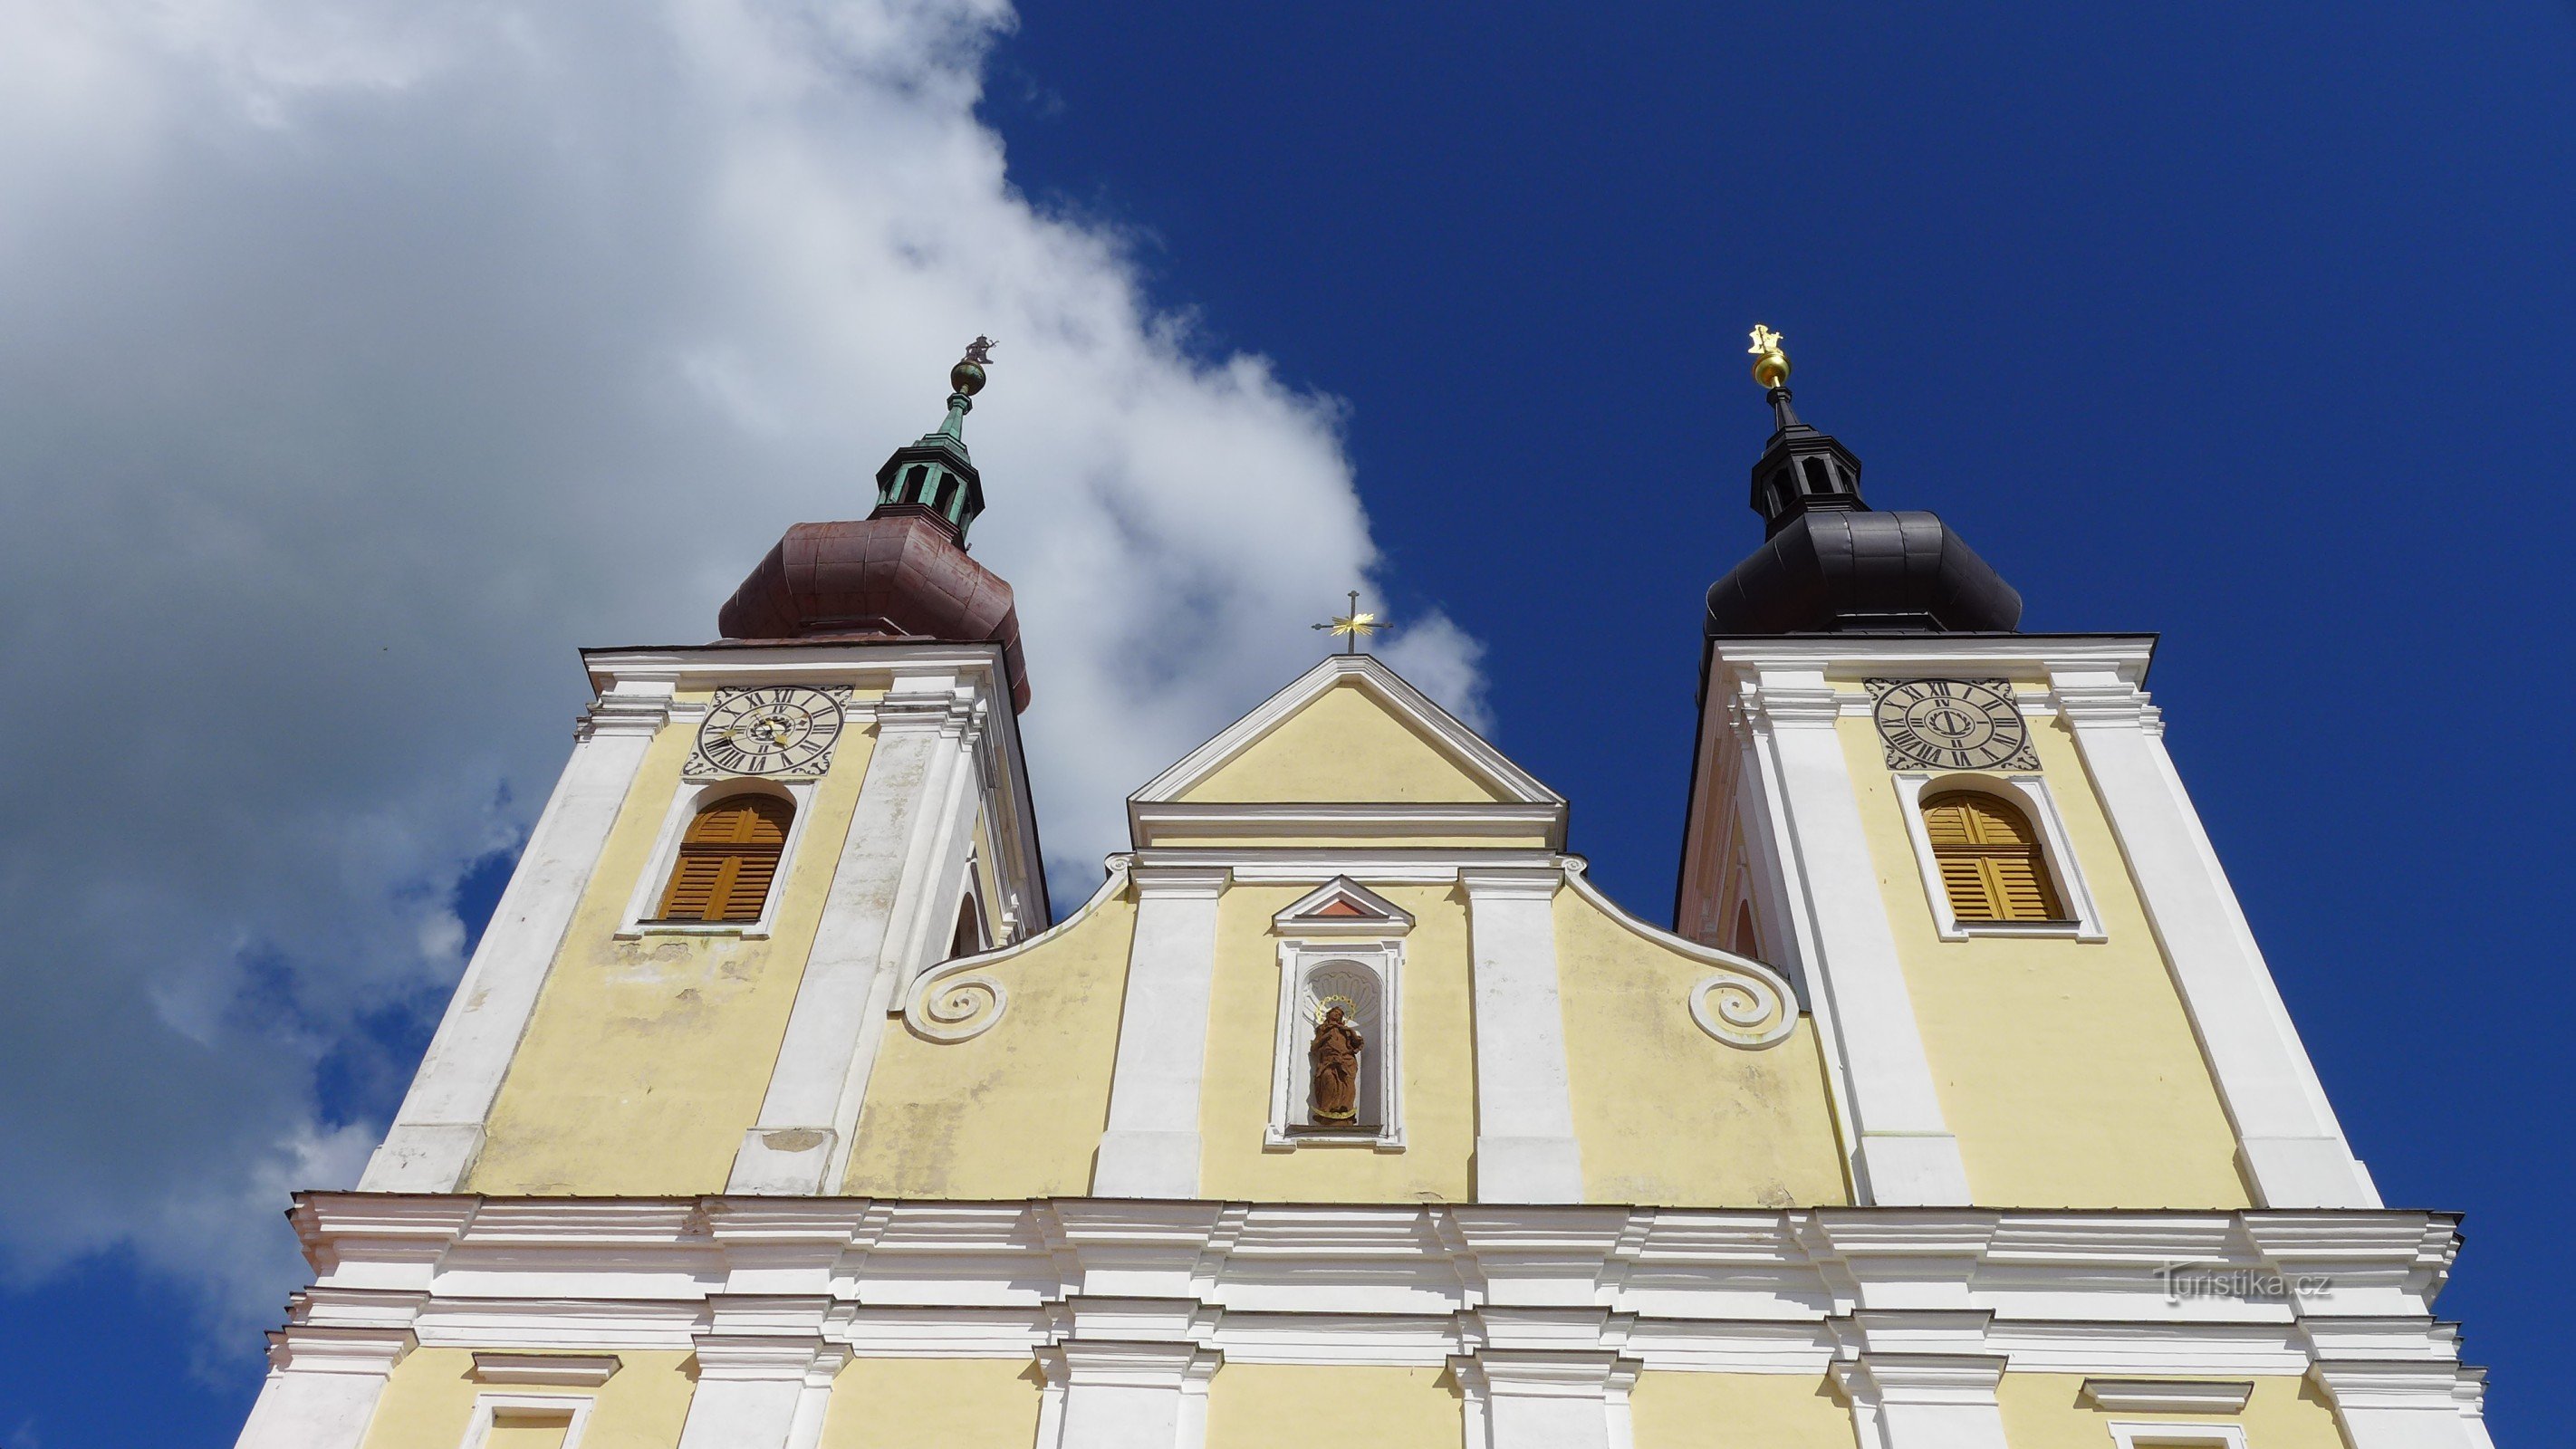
column 1990, row 859
column 727, row 860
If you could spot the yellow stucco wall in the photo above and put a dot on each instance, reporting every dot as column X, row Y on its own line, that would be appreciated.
column 2067, row 1069
column 2047, row 1411
column 1437, row 1063
column 1017, row 1111
column 646, row 1059
column 429, row 1401
column 934, row 1403
column 1739, row 1411
column 1344, row 747
column 1665, row 1113
column 1297, row 1406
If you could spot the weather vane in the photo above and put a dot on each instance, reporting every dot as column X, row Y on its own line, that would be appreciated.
column 1354, row 626
column 1770, row 364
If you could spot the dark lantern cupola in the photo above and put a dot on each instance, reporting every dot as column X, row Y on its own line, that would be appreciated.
column 901, row 573
column 1829, row 563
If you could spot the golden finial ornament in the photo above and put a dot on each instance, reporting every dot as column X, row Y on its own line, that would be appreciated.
column 1354, row 626
column 967, row 377
column 1770, row 363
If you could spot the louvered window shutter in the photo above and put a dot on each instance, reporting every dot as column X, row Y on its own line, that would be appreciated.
column 728, row 858
column 1990, row 859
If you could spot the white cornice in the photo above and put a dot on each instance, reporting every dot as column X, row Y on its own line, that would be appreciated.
column 1848, row 656
column 765, row 1280
column 2169, row 1396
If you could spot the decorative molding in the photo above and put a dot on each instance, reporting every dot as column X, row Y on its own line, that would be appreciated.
column 1744, row 1004
column 489, row 1409
column 1691, row 1290
column 2169, row 1396
column 957, row 1001
column 578, row 1370
column 1342, row 907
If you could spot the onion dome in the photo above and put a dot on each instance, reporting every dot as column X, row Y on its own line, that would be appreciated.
column 1829, row 562
column 902, row 572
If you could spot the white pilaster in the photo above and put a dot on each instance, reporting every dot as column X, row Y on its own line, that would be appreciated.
column 1151, row 1148
column 2391, row 1404
column 1907, row 1155
column 322, row 1387
column 1546, row 1398
column 2292, row 1149
column 1525, row 1146
column 1129, row 1373
column 437, row 1134
column 882, row 918
column 764, row 1374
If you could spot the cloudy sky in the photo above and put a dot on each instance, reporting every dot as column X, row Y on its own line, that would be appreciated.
column 358, row 361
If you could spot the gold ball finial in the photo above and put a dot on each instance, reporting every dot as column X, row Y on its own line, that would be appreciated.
column 1770, row 363
column 967, row 377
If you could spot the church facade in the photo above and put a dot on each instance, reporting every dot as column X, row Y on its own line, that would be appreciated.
column 780, row 1108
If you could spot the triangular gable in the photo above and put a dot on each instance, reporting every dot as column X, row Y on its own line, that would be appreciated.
column 1343, row 907
column 1348, row 731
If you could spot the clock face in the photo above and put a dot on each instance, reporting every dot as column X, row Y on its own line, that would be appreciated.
column 781, row 730
column 1951, row 724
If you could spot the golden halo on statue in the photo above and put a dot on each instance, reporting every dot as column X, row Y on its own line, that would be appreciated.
column 1324, row 1004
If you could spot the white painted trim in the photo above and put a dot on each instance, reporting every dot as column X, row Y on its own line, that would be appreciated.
column 1526, row 1149
column 438, row 1131
column 1383, row 960
column 489, row 1407
column 687, row 799
column 1904, row 1152
column 577, row 1370
column 2169, row 1396
column 1151, row 1145
column 2290, row 1145
column 2134, row 1434
column 2029, row 794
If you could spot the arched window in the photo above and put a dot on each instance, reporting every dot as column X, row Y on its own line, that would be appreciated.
column 727, row 860
column 1990, row 859
column 1748, row 943
column 968, row 938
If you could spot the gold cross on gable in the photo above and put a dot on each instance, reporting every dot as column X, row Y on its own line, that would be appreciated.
column 1354, row 626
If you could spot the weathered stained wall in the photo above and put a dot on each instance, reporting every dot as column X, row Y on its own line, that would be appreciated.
column 646, row 1059
column 1017, row 1111
column 1667, row 1114
column 1289, row 1406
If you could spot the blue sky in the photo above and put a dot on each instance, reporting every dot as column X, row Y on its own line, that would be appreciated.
column 2246, row 326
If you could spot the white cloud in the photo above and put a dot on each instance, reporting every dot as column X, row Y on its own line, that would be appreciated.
column 359, row 361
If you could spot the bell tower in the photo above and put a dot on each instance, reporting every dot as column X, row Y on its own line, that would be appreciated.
column 1970, row 848
column 756, row 846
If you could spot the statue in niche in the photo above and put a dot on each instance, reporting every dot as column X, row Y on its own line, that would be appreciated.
column 1335, row 1059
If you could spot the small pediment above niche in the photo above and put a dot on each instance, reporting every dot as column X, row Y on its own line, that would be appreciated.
column 1342, row 907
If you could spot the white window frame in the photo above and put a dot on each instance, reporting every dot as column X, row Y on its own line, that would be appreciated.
column 487, row 1407
column 1299, row 959
column 2133, row 1434
column 686, row 801
column 2030, row 794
